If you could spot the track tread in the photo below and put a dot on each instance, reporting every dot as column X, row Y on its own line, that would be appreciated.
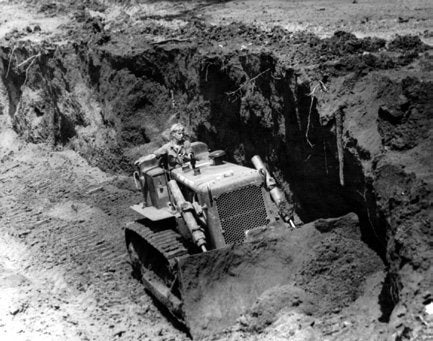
column 168, row 242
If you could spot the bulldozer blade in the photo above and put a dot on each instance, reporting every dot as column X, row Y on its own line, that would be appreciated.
column 219, row 285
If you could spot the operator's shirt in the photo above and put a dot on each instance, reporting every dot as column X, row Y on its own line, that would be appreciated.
column 175, row 152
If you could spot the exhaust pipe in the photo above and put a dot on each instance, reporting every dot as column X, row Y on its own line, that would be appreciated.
column 276, row 193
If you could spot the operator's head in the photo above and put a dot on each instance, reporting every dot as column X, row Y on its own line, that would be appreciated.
column 177, row 132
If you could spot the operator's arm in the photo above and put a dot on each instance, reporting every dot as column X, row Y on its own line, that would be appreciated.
column 162, row 150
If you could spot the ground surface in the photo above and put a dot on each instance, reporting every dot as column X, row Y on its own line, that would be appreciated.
column 63, row 267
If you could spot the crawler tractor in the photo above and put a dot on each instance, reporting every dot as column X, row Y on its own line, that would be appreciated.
column 195, row 248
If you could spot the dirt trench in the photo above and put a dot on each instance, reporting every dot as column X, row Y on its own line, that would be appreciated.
column 344, row 124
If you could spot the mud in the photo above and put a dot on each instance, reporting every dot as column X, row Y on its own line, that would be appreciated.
column 344, row 123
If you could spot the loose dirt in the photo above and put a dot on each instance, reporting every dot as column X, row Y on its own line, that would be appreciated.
column 336, row 96
column 65, row 274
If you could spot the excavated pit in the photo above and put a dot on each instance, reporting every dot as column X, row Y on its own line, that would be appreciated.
column 344, row 124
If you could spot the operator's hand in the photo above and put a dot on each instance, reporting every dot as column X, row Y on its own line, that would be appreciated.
column 188, row 157
column 158, row 155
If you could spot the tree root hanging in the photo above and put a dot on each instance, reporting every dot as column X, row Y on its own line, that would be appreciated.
column 10, row 57
column 323, row 88
column 339, row 135
column 246, row 83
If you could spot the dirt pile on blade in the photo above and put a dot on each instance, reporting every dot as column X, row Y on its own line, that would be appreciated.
column 288, row 270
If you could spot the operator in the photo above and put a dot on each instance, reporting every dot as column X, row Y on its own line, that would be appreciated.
column 178, row 150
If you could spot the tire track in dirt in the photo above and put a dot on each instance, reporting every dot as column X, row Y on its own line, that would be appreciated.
column 69, row 216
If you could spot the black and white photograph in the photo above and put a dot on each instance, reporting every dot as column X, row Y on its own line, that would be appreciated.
column 216, row 170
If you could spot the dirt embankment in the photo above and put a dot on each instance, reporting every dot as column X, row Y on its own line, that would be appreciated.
column 344, row 123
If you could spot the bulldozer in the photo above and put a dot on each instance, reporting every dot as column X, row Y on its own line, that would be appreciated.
column 199, row 247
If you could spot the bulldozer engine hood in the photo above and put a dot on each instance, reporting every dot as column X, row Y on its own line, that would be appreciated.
column 234, row 198
column 218, row 179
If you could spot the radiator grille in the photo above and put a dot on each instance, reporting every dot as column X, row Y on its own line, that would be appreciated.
column 239, row 211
